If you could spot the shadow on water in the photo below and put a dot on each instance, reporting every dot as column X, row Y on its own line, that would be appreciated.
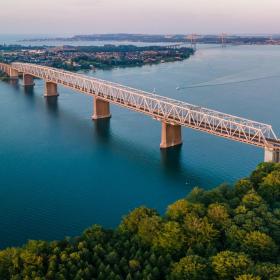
column 29, row 92
column 14, row 83
column 102, row 129
column 171, row 162
column 52, row 104
column 171, row 159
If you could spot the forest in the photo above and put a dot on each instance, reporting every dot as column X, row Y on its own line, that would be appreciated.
column 227, row 233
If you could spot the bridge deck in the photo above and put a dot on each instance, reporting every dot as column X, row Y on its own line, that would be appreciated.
column 159, row 107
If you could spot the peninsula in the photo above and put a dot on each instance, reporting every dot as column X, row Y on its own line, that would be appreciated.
column 74, row 58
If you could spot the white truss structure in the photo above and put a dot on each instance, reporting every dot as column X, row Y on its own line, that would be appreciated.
column 159, row 107
column 5, row 68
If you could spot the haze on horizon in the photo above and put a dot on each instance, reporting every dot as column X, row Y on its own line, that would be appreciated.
column 70, row 17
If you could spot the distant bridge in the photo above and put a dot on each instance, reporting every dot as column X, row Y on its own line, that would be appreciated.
column 173, row 114
column 175, row 46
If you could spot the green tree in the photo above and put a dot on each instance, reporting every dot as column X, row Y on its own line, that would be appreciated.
column 267, row 271
column 149, row 228
column 190, row 268
column 234, row 237
column 228, row 265
column 252, row 200
column 247, row 277
column 178, row 210
column 131, row 221
column 262, row 171
column 259, row 246
column 170, row 238
column 269, row 189
column 134, row 265
column 218, row 215
column 243, row 186
column 199, row 232
column 112, row 257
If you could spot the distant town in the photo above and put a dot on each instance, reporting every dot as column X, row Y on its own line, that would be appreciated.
column 74, row 58
column 108, row 56
column 189, row 38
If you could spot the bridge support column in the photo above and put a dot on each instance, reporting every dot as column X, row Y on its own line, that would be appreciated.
column 50, row 89
column 101, row 109
column 28, row 80
column 271, row 155
column 13, row 74
column 170, row 135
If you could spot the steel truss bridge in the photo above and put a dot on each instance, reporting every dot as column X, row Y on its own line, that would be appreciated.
column 172, row 113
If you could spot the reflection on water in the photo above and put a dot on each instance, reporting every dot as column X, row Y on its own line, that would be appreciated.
column 102, row 130
column 52, row 104
column 171, row 159
column 28, row 91
column 14, row 83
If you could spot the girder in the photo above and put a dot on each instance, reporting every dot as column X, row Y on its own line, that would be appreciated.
column 159, row 107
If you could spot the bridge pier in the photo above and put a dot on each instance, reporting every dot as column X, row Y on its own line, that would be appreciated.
column 170, row 135
column 50, row 89
column 13, row 74
column 101, row 109
column 271, row 155
column 28, row 80
column 3, row 68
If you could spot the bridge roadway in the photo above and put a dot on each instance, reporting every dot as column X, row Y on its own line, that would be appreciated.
column 172, row 113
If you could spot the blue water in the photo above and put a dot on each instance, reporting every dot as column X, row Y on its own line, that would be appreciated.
column 60, row 172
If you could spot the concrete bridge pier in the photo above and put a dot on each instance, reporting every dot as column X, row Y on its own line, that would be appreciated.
column 3, row 69
column 50, row 89
column 271, row 155
column 170, row 135
column 28, row 80
column 13, row 74
column 101, row 108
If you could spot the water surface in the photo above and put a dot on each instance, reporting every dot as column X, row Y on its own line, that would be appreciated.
column 61, row 172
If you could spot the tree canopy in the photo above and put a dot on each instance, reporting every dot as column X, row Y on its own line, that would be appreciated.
column 227, row 233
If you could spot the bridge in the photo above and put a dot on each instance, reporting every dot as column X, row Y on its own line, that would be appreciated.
column 173, row 114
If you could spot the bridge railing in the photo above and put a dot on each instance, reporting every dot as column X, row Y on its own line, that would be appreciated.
column 5, row 67
column 159, row 107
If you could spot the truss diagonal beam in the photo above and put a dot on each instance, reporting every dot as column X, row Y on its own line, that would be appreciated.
column 159, row 107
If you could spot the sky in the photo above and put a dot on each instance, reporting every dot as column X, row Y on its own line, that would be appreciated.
column 70, row 17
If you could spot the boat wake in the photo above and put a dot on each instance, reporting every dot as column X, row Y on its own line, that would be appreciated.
column 228, row 80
